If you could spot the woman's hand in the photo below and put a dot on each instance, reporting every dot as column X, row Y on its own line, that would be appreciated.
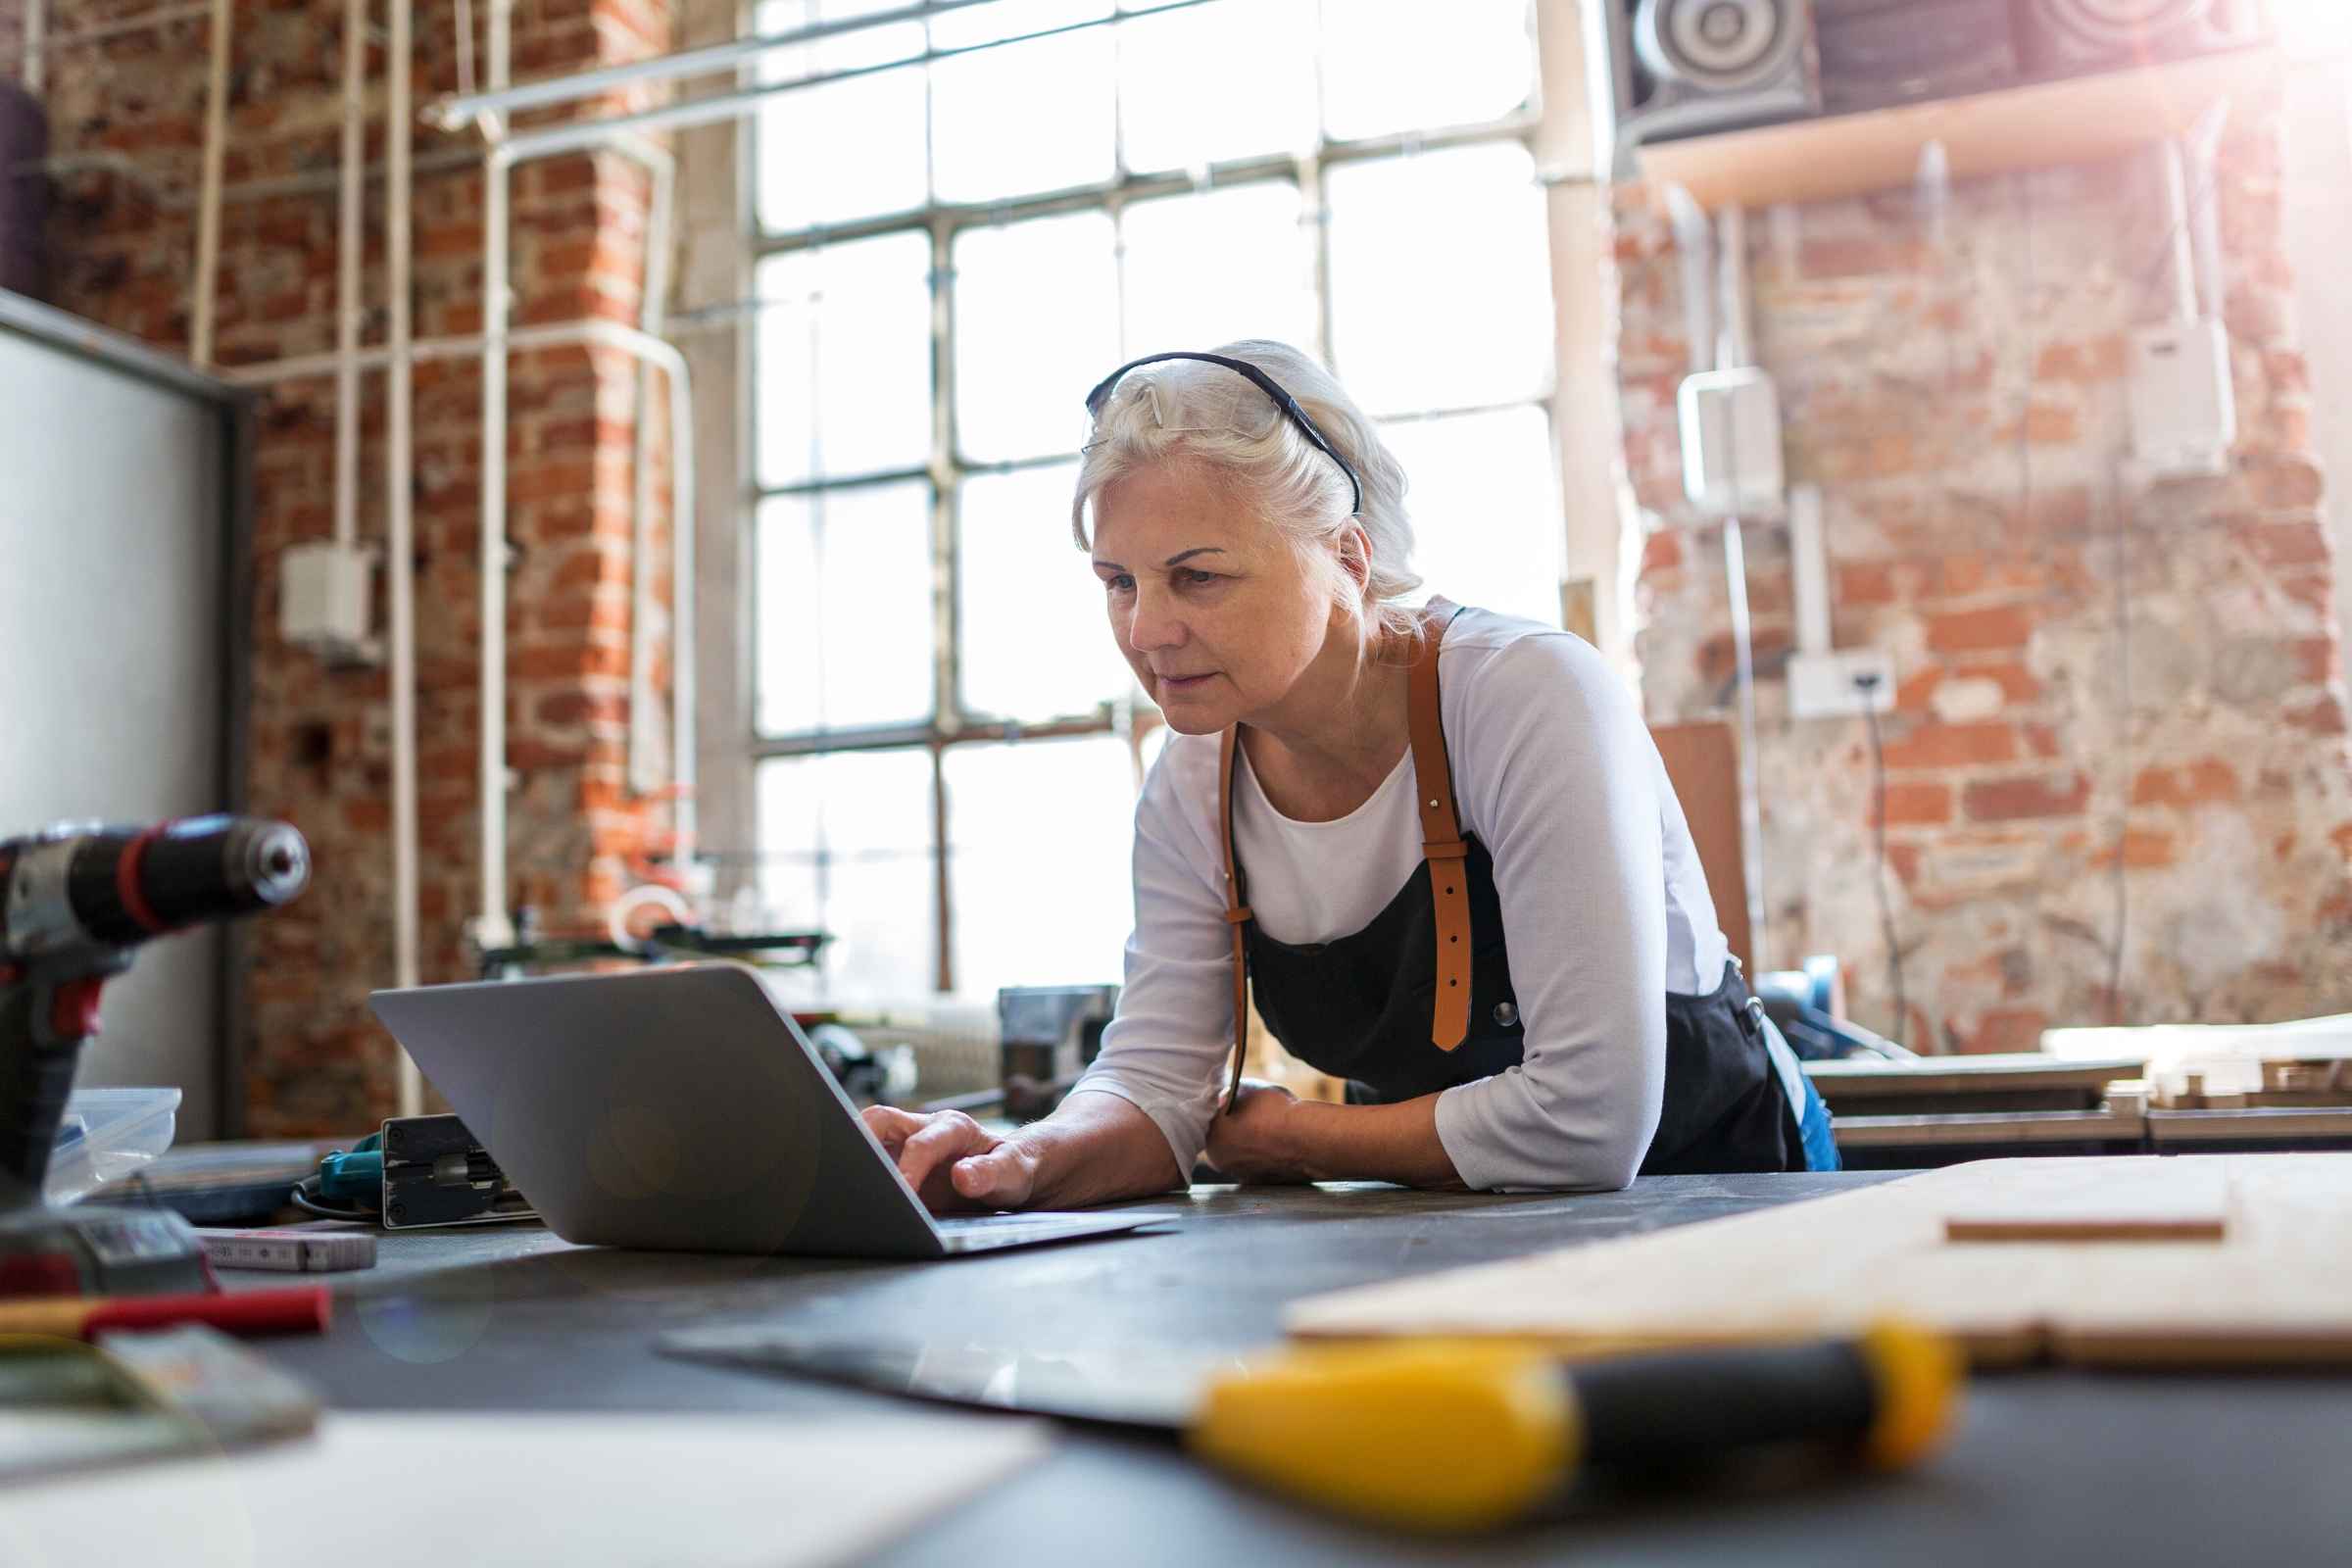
column 955, row 1166
column 1256, row 1143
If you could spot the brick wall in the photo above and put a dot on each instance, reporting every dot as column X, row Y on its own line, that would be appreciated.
column 320, row 756
column 2087, row 676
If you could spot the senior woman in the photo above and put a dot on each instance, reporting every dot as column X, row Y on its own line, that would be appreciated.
column 1438, row 841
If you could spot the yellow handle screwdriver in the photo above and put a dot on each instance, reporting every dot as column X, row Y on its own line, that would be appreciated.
column 1470, row 1434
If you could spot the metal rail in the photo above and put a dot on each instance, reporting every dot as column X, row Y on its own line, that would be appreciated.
column 453, row 112
column 587, row 134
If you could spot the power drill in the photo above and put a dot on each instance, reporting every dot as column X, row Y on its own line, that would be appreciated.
column 75, row 903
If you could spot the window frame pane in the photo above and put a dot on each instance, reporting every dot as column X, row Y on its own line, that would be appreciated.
column 952, row 723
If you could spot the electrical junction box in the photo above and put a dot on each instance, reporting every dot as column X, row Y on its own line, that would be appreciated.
column 324, row 591
column 1841, row 684
column 1731, row 422
column 2183, row 410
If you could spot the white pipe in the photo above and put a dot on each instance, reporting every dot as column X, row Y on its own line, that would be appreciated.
column 1738, row 349
column 36, row 27
column 464, row 23
column 1751, row 787
column 579, row 136
column 347, row 288
column 627, row 340
column 1694, row 247
column 492, row 927
column 208, row 204
column 495, row 930
column 2201, row 146
column 398, row 540
column 453, row 112
column 2185, row 265
column 500, row 46
column 663, row 170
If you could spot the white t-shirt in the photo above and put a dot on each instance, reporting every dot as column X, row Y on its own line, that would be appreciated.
column 1605, row 910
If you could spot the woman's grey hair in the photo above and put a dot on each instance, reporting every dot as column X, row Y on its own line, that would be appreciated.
column 1191, row 408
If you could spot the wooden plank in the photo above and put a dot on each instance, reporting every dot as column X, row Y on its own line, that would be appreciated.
column 2030, row 1068
column 2089, row 1228
column 2166, row 1046
column 1854, row 1079
column 2075, row 121
column 2278, row 1287
column 2251, row 1125
column 1702, row 764
column 1990, row 1127
column 2171, row 1200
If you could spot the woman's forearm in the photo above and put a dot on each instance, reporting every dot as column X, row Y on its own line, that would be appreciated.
column 1372, row 1142
column 1095, row 1149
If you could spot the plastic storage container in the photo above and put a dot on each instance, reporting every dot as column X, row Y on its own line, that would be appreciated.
column 107, row 1134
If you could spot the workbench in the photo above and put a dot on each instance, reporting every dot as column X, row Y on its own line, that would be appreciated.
column 1944, row 1110
column 2048, row 1466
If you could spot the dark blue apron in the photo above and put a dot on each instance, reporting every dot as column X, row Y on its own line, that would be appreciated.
column 1362, row 1008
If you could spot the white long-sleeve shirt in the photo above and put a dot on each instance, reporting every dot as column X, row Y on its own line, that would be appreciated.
column 1605, row 910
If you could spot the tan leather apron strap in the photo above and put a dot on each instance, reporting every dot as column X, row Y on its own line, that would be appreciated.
column 1442, row 843
column 1442, row 846
column 1237, row 916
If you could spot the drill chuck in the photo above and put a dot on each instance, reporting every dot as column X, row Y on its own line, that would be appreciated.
column 116, row 887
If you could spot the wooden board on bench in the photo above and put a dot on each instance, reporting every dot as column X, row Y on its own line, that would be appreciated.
column 2276, row 1290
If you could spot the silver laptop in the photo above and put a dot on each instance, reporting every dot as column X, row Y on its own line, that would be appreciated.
column 681, row 1108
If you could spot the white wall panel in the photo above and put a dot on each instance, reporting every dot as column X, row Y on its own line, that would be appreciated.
column 110, row 699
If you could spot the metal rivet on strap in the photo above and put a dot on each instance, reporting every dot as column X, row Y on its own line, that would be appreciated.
column 1505, row 1014
column 1433, row 805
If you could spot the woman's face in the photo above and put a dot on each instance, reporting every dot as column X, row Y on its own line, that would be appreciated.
column 1214, row 611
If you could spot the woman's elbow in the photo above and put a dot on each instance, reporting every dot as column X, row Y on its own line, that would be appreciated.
column 1582, row 1166
column 1601, row 1158
column 1615, row 1169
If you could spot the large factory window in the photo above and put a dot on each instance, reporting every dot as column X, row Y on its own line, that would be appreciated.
column 959, row 230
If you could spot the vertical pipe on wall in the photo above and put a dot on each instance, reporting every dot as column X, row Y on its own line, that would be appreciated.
column 2183, row 245
column 499, row 45
column 399, row 488
column 494, row 929
column 207, row 205
column 1736, row 351
column 662, row 169
column 463, row 23
column 36, row 25
column 347, row 283
column 682, row 618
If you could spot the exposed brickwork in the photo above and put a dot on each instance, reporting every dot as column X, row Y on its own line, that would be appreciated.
column 322, row 746
column 2084, row 675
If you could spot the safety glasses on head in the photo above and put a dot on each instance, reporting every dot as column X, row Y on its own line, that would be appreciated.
column 1282, row 400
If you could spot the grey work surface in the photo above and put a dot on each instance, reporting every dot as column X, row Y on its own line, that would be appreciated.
column 2049, row 1466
